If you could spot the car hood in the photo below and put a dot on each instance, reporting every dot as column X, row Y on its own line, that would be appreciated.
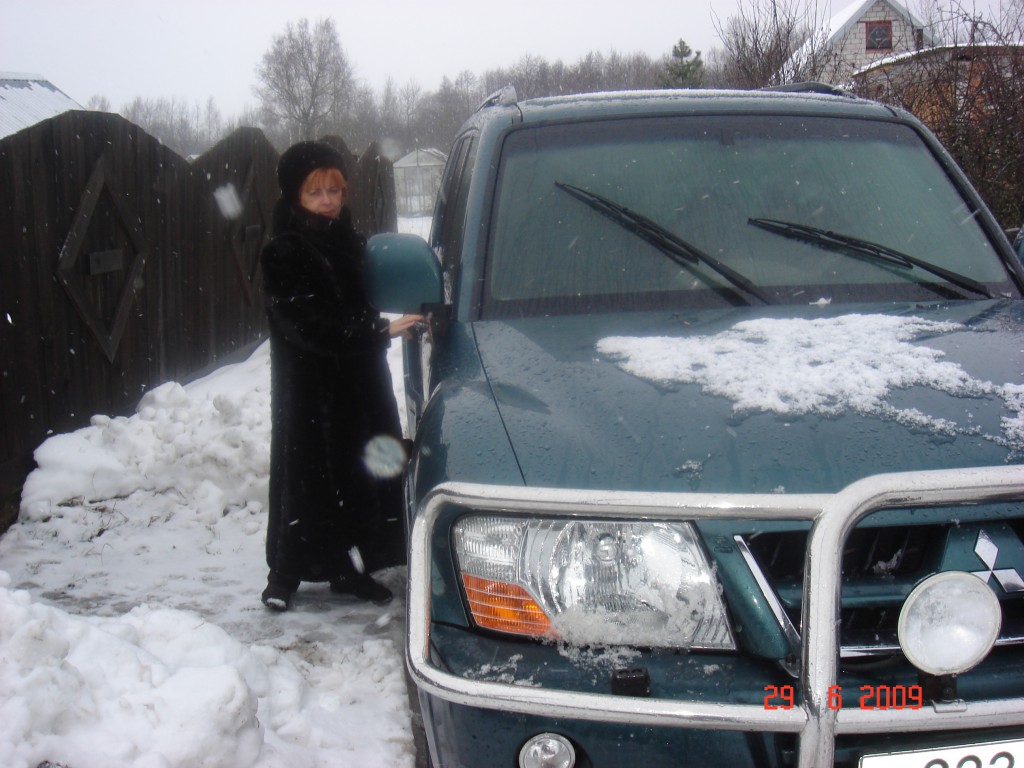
column 758, row 400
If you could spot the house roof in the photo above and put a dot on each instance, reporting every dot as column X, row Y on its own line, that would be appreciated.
column 964, row 49
column 841, row 22
column 26, row 99
column 420, row 157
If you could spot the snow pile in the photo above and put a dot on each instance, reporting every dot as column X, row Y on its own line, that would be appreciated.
column 159, row 687
column 112, row 692
column 826, row 366
column 208, row 445
column 152, row 528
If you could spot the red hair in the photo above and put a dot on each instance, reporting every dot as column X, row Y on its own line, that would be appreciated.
column 323, row 177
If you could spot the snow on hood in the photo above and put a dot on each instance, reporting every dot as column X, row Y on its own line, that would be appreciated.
column 753, row 401
column 824, row 366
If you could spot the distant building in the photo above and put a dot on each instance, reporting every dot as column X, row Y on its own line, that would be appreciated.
column 856, row 37
column 417, row 179
column 964, row 80
column 28, row 99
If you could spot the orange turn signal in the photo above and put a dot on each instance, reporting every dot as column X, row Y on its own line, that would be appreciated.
column 505, row 607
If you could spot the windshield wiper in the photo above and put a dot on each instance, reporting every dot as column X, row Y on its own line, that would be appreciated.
column 847, row 244
column 683, row 253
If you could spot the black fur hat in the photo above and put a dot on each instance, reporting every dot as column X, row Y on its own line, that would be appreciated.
column 300, row 160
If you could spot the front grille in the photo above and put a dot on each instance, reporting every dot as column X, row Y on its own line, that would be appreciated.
column 869, row 552
column 880, row 566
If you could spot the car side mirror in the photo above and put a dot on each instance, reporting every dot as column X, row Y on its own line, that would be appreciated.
column 402, row 273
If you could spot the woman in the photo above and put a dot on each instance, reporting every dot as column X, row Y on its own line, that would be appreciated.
column 333, row 517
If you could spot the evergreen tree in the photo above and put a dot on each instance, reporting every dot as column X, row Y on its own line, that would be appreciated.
column 684, row 70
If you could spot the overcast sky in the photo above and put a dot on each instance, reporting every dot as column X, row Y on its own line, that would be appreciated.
column 194, row 49
column 197, row 49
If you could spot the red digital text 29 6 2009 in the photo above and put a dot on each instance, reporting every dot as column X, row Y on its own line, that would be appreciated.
column 868, row 697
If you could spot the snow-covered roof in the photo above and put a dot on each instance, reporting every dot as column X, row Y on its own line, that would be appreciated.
column 844, row 19
column 420, row 157
column 839, row 24
column 963, row 48
column 26, row 99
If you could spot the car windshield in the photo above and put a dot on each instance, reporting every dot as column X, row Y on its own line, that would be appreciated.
column 646, row 213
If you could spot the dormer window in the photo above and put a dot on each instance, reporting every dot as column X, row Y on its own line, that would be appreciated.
column 878, row 36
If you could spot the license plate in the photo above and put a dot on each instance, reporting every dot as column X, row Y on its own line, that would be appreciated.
column 992, row 754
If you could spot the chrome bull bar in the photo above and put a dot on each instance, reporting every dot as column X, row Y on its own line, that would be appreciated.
column 833, row 517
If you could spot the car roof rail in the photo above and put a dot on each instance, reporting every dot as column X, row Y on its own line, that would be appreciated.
column 503, row 97
column 810, row 87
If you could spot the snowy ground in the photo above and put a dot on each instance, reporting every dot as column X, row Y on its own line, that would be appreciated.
column 131, row 631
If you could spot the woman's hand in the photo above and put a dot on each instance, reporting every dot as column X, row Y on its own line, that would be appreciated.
column 407, row 326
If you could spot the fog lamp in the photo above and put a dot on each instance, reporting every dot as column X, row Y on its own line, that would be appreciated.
column 547, row 750
column 949, row 623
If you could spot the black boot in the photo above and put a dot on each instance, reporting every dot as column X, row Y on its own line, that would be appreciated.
column 278, row 594
column 364, row 587
column 277, row 598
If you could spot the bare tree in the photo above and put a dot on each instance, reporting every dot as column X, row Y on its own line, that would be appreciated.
column 98, row 103
column 388, row 104
column 187, row 129
column 433, row 118
column 409, row 98
column 212, row 122
column 531, row 76
column 362, row 121
column 444, row 111
column 770, row 42
column 305, row 79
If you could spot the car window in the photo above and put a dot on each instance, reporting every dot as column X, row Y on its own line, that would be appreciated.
column 446, row 191
column 702, row 179
column 449, row 220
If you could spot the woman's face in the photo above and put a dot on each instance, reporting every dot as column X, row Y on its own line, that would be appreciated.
column 323, row 195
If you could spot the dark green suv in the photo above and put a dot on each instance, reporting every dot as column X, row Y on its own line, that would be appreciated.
column 719, row 431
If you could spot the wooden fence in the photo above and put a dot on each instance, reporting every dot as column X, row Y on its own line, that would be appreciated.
column 122, row 266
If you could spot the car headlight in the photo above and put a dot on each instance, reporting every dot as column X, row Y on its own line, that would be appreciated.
column 591, row 582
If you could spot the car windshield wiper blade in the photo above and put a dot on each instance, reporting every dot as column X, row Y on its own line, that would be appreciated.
column 847, row 243
column 666, row 241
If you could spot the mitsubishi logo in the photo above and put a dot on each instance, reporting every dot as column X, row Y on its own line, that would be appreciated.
column 987, row 552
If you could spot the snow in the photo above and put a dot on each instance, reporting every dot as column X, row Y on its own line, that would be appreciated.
column 131, row 629
column 28, row 99
column 823, row 366
column 506, row 672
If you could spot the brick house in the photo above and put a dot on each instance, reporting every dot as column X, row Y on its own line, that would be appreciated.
column 857, row 36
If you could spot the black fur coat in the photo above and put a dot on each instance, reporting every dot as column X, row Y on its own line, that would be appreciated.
column 331, row 393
